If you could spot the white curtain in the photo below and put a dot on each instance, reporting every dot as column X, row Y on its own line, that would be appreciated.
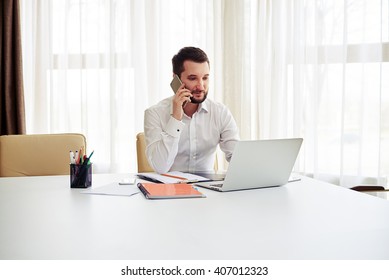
column 314, row 69
column 94, row 66
column 318, row 70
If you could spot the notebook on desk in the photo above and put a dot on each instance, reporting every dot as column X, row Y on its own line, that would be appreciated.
column 258, row 164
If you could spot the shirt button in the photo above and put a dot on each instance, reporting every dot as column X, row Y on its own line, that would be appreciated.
column 178, row 130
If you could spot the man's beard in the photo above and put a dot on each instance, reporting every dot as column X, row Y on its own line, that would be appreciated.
column 198, row 101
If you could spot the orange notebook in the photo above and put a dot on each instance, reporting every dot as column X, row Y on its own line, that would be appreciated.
column 161, row 191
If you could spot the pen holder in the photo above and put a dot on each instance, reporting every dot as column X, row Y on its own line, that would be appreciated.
column 80, row 175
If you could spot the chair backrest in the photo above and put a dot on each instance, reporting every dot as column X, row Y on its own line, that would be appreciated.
column 38, row 154
column 143, row 164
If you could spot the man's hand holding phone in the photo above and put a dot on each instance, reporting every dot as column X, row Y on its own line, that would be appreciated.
column 181, row 98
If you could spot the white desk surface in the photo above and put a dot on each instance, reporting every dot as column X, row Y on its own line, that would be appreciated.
column 43, row 218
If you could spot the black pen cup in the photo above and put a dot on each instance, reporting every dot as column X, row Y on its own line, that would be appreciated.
column 80, row 175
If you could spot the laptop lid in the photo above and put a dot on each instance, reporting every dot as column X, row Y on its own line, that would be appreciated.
column 261, row 163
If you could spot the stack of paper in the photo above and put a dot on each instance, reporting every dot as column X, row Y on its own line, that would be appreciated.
column 174, row 177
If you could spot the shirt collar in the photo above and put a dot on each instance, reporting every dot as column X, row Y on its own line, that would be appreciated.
column 204, row 106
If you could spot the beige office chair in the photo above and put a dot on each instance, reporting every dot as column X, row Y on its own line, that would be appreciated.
column 38, row 154
column 143, row 164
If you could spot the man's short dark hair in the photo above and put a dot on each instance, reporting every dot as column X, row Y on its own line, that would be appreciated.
column 188, row 53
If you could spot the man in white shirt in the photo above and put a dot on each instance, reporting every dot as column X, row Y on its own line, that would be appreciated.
column 182, row 132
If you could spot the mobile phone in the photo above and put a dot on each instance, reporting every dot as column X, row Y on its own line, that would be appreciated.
column 176, row 83
column 127, row 181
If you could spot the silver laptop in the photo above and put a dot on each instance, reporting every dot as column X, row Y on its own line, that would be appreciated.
column 258, row 164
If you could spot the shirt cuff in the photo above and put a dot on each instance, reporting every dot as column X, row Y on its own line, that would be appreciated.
column 174, row 127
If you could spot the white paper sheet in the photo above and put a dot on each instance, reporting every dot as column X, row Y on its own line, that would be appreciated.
column 113, row 189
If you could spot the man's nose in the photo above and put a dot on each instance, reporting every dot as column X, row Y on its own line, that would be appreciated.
column 200, row 85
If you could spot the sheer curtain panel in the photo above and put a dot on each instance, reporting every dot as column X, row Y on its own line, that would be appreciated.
column 94, row 66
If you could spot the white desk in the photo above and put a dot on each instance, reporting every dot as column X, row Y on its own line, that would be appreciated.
column 42, row 218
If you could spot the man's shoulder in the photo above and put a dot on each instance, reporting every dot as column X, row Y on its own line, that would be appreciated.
column 215, row 105
column 164, row 104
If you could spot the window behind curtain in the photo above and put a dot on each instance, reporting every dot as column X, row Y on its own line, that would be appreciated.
column 94, row 66
column 345, row 92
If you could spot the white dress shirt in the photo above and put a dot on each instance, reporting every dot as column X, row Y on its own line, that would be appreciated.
column 188, row 145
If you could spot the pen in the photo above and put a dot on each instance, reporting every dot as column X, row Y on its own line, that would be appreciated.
column 86, row 161
column 188, row 181
column 79, row 158
column 175, row 177
column 71, row 154
column 76, row 157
